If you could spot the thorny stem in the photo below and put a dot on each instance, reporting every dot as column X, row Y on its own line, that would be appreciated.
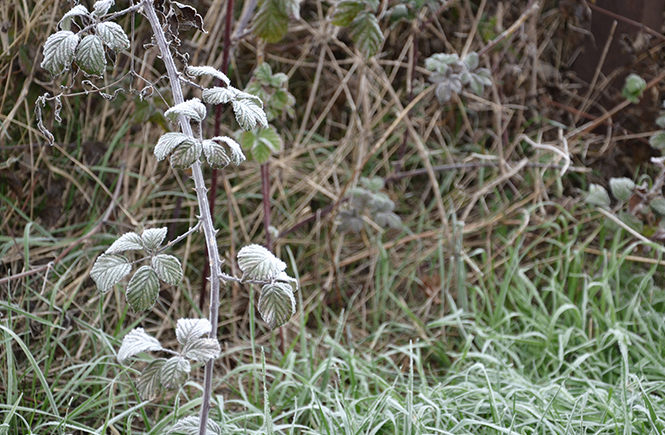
column 205, row 217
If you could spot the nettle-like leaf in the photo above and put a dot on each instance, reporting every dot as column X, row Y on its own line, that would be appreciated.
column 237, row 157
column 366, row 33
column 190, row 426
column 187, row 330
column 598, row 196
column 168, row 268
column 143, row 289
column 202, row 349
column 218, row 95
column 150, row 381
column 192, row 109
column 135, row 342
column 622, row 188
column 346, row 11
column 168, row 142
column 186, row 154
column 258, row 263
column 215, row 154
column 658, row 140
column 271, row 22
column 101, row 7
column 59, row 51
column 472, row 60
column 197, row 71
column 90, row 56
column 77, row 11
column 113, row 35
column 174, row 372
column 277, row 304
column 127, row 242
column 658, row 205
column 108, row 270
column 153, row 237
column 248, row 112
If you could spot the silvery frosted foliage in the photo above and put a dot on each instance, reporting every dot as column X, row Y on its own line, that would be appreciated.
column 598, row 196
column 368, row 200
column 277, row 303
column 143, row 288
column 622, row 188
column 172, row 372
column 450, row 75
column 190, row 426
column 85, row 48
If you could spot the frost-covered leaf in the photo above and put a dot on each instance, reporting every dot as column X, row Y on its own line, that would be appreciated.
column 218, row 95
column 283, row 277
column 277, row 304
column 202, row 349
column 237, row 157
column 622, row 188
column 113, row 35
column 346, row 11
column 127, row 242
column 109, row 270
column 197, row 71
column 443, row 92
column 167, row 143
column 366, row 33
column 149, row 383
column 168, row 268
column 174, row 372
column 658, row 140
column 658, row 205
column 386, row 219
column 153, row 237
column 215, row 154
column 271, row 21
column 476, row 85
column 374, row 184
column 143, row 289
column 101, row 7
column 248, row 113
column 66, row 20
column 258, row 263
column 631, row 220
column 90, row 56
column 135, row 342
column 349, row 221
column 380, row 202
column 190, row 426
column 186, row 154
column 598, row 196
column 441, row 62
column 187, row 330
column 471, row 61
column 192, row 109
column 59, row 51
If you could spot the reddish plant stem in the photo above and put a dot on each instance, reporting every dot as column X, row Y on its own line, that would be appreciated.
column 226, row 54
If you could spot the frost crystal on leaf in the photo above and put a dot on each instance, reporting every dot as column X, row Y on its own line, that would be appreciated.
column 257, row 263
column 196, row 71
column 59, row 51
column 167, row 143
column 189, row 329
column 127, row 242
column 90, row 56
column 113, row 36
column 277, row 304
column 192, row 109
column 153, row 237
column 135, row 342
column 109, row 270
column 248, row 113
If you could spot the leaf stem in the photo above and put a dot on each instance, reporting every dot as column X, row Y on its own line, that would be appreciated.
column 204, row 207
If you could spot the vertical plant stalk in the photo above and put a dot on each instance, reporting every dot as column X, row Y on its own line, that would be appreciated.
column 265, row 193
column 204, row 207
column 226, row 54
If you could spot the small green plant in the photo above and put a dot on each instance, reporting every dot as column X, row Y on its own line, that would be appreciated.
column 634, row 88
column 450, row 75
column 635, row 203
column 84, row 42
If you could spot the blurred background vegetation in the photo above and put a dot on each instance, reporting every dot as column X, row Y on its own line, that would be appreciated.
column 498, row 302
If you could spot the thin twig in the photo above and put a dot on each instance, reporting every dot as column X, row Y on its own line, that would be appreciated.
column 640, row 26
